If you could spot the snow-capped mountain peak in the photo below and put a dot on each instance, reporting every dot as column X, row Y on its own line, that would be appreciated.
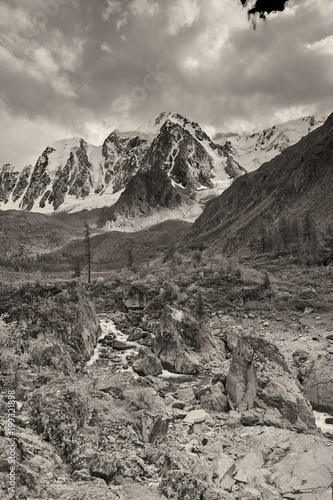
column 252, row 150
column 72, row 175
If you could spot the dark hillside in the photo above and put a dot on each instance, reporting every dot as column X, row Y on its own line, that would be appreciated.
column 298, row 181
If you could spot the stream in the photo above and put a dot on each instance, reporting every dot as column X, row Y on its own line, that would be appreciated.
column 121, row 356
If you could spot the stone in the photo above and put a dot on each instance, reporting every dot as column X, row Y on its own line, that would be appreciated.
column 195, row 417
column 318, row 384
column 104, row 466
column 147, row 363
column 178, row 404
column 227, row 483
column 183, row 344
column 179, row 414
column 121, row 346
column 253, row 460
column 250, row 417
column 214, row 398
column 186, row 394
column 222, row 466
column 259, row 376
column 137, row 334
column 300, row 357
column 307, row 468
column 241, row 477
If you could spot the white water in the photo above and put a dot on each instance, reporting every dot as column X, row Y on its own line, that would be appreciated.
column 320, row 422
column 108, row 327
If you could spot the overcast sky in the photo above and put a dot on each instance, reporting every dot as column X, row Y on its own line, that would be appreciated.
column 86, row 67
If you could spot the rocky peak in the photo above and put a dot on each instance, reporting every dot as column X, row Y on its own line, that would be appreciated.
column 73, row 173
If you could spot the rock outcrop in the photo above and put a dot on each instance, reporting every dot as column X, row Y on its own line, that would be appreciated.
column 147, row 363
column 318, row 383
column 182, row 344
column 259, row 378
column 59, row 321
column 59, row 409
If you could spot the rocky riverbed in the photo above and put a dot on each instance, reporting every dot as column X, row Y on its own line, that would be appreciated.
column 219, row 447
column 169, row 407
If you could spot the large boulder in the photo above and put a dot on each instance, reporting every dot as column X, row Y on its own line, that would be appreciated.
column 259, row 378
column 147, row 363
column 318, row 383
column 183, row 344
column 213, row 398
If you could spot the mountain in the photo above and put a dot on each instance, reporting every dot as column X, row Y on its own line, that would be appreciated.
column 72, row 175
column 296, row 182
column 253, row 150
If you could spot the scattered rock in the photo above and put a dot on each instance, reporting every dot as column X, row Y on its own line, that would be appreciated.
column 195, row 417
column 223, row 465
column 214, row 398
column 104, row 466
column 300, row 357
column 241, row 477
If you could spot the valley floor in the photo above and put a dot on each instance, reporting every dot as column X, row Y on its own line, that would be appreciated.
column 105, row 419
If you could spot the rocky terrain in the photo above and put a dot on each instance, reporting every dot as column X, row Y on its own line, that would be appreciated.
column 200, row 387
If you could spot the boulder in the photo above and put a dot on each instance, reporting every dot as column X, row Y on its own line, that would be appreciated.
column 121, row 346
column 104, row 466
column 318, row 383
column 147, row 363
column 136, row 334
column 259, row 377
column 182, row 344
column 214, row 398
column 195, row 417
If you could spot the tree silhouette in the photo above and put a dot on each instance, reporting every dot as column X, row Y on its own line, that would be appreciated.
column 88, row 250
column 264, row 7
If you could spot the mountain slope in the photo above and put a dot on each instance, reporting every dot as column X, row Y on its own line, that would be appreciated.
column 297, row 181
column 255, row 149
column 72, row 175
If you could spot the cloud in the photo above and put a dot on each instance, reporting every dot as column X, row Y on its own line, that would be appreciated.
column 181, row 14
column 221, row 73
column 113, row 7
column 106, row 48
column 144, row 8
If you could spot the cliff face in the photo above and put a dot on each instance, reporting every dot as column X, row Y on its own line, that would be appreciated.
column 298, row 180
column 72, row 175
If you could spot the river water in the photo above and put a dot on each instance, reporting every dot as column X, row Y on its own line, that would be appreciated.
column 108, row 327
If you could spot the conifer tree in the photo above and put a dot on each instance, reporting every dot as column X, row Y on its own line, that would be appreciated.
column 200, row 307
column 88, row 250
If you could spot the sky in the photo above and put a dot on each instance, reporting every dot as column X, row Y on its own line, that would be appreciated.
column 87, row 67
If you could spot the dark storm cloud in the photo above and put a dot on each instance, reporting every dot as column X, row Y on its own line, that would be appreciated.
column 83, row 67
